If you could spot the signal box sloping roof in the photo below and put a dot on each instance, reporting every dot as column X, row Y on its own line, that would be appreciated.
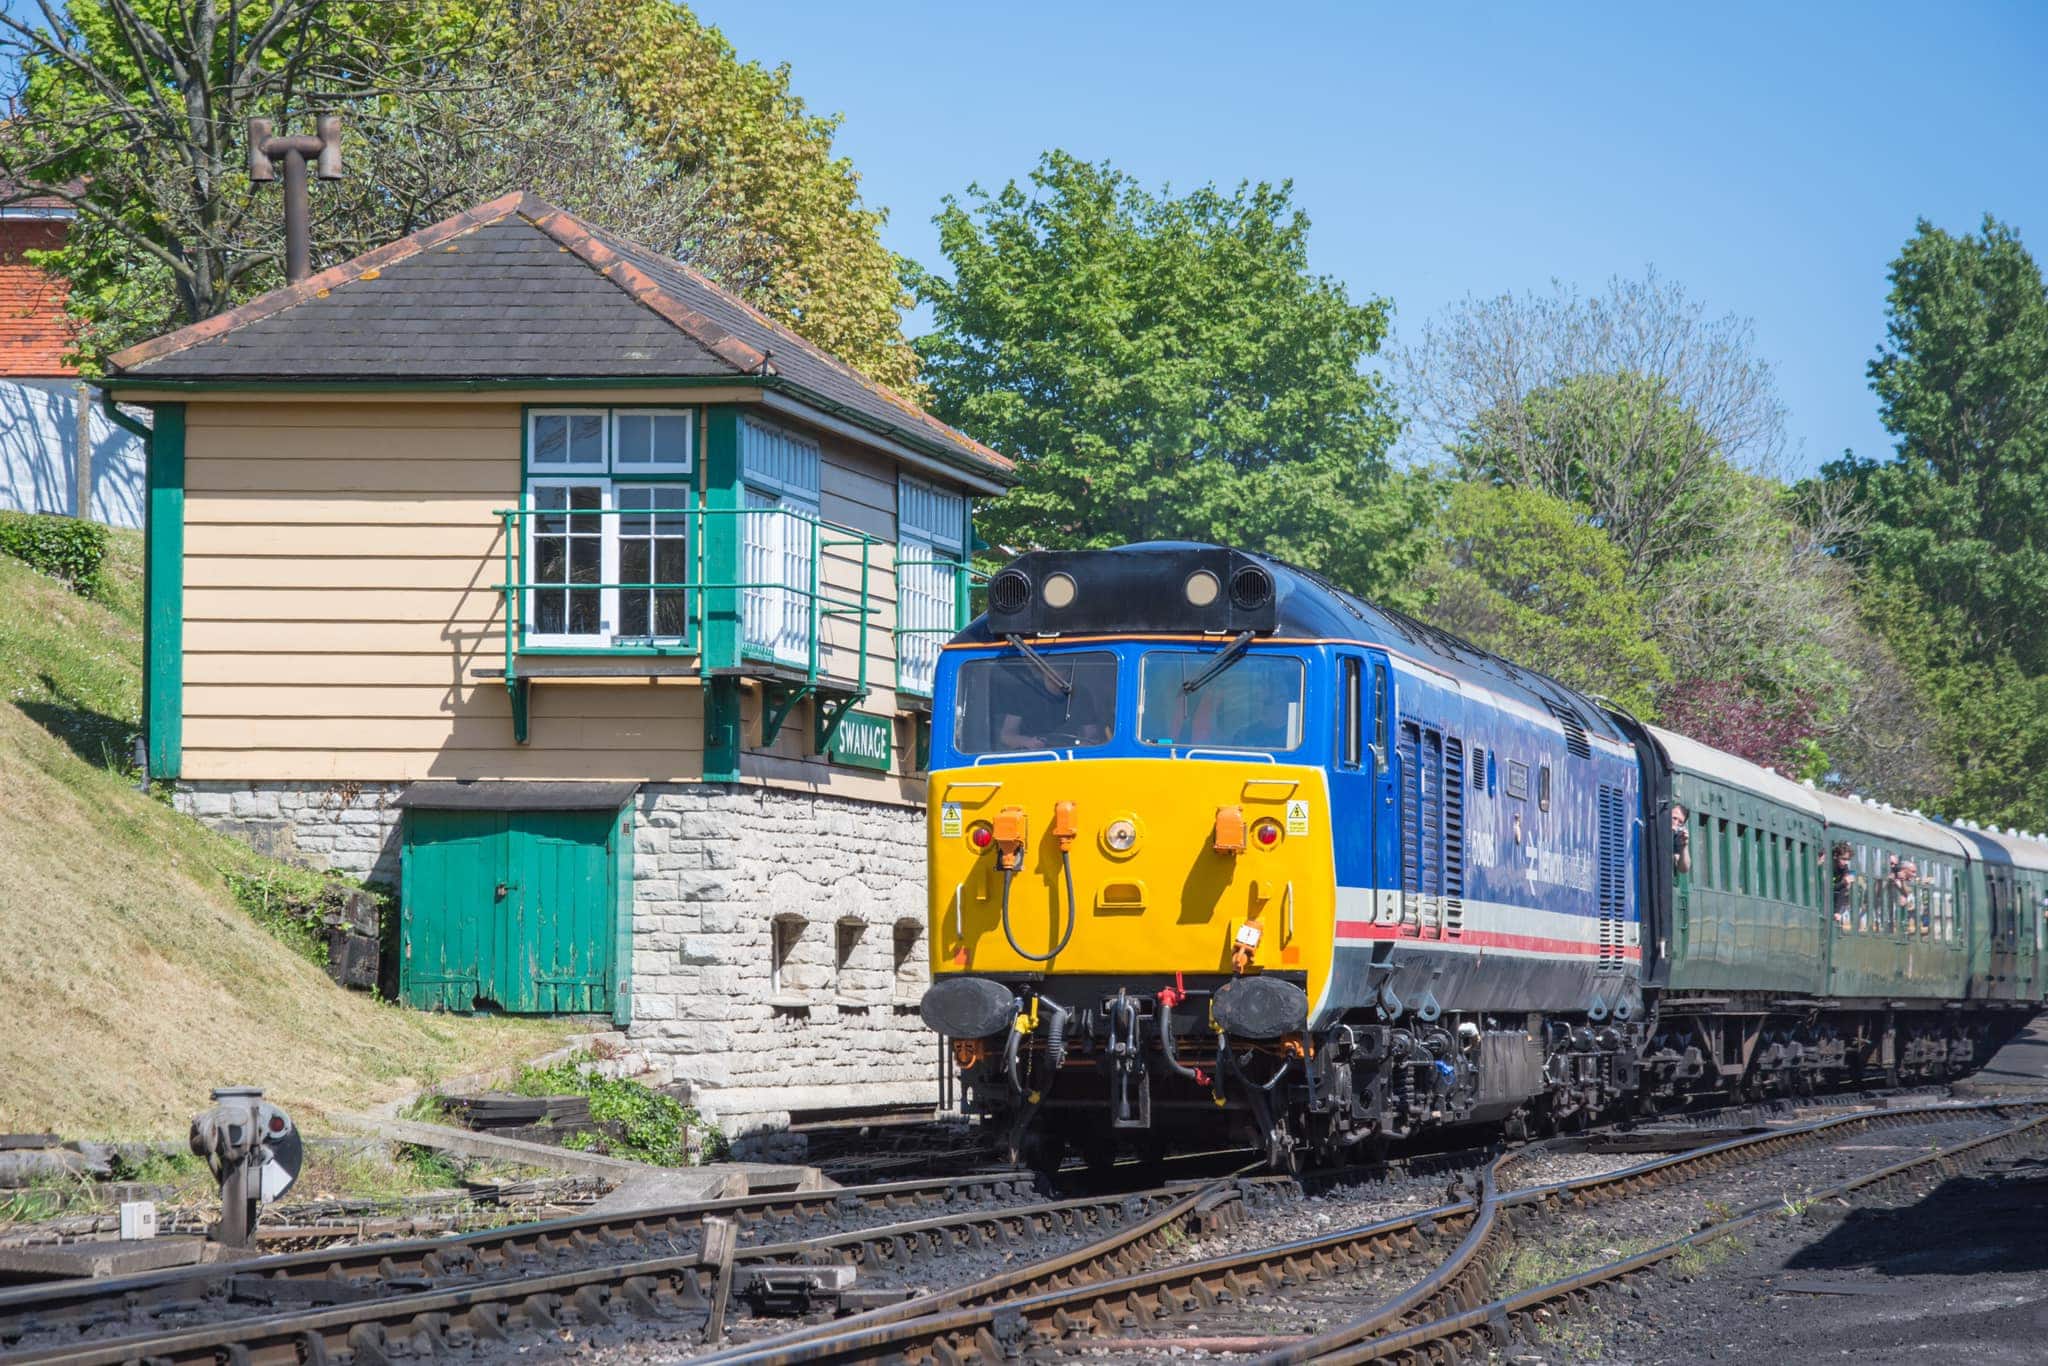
column 519, row 290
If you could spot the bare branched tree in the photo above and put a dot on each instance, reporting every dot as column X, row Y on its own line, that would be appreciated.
column 135, row 112
column 1632, row 403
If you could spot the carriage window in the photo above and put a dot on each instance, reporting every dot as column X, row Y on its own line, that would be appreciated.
column 1007, row 704
column 1722, row 859
column 1350, row 719
column 1253, row 702
column 1706, row 855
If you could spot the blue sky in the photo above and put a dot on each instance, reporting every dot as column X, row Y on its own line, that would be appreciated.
column 1771, row 158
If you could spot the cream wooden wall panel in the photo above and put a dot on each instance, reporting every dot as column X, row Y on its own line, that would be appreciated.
column 342, row 540
column 361, row 508
column 458, row 607
column 370, row 575
column 294, row 446
column 424, row 475
column 502, row 418
column 485, row 698
column 387, row 765
column 471, row 642
column 319, row 666
column 549, row 728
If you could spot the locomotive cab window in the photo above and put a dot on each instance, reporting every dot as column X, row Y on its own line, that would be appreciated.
column 1012, row 704
column 1249, row 702
column 1543, row 788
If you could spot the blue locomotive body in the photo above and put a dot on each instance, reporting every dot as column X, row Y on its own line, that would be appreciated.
column 1305, row 861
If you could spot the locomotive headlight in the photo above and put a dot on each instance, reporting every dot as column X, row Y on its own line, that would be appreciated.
column 1120, row 836
column 1202, row 588
column 1266, row 834
column 1059, row 591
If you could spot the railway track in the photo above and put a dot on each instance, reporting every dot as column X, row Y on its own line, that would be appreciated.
column 1446, row 1324
column 642, row 1274
column 1100, row 1306
column 98, row 1308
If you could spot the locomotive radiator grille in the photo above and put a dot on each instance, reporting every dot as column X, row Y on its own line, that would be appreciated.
column 1433, row 833
column 1613, row 890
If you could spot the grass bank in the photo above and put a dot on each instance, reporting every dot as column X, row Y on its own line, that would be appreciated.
column 131, row 982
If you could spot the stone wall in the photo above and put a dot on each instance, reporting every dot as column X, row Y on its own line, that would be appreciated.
column 778, row 935
column 351, row 828
column 779, row 951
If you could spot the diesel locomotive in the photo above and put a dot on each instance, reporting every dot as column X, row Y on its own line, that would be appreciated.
column 1213, row 842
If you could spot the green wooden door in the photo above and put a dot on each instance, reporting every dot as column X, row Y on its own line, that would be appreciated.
column 510, row 911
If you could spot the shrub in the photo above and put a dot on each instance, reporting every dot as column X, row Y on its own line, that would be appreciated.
column 63, row 547
column 656, row 1127
column 295, row 904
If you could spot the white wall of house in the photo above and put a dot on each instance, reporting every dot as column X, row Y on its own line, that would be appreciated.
column 39, row 454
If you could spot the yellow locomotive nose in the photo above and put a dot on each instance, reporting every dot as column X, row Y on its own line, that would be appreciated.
column 1170, row 866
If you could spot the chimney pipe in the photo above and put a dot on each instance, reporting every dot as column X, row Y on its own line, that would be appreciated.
column 265, row 151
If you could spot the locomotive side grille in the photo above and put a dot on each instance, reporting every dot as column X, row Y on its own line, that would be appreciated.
column 1574, row 730
column 1410, row 747
column 1429, row 914
column 1613, row 890
column 1454, row 836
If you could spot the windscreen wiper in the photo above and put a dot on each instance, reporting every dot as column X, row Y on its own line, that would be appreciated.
column 1231, row 654
column 1046, row 671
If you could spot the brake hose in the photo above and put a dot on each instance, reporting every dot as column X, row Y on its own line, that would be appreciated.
column 1066, row 867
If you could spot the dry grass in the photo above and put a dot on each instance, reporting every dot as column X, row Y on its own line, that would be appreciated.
column 130, row 983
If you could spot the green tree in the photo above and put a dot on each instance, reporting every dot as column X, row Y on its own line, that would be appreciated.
column 1529, row 577
column 136, row 111
column 1167, row 367
column 1955, row 539
column 1961, row 510
column 772, row 174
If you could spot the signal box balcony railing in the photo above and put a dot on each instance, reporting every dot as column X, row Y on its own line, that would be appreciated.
column 635, row 584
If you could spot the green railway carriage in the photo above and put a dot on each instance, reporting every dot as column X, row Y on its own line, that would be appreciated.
column 1910, row 957
column 1748, row 913
column 2010, row 882
column 1902, row 915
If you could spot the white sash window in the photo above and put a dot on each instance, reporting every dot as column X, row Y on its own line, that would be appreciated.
column 778, row 553
column 609, row 503
column 931, row 528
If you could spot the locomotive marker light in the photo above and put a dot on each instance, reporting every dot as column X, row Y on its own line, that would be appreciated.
column 1060, row 591
column 1201, row 588
column 1120, row 837
column 1267, row 833
column 253, row 1149
column 981, row 834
